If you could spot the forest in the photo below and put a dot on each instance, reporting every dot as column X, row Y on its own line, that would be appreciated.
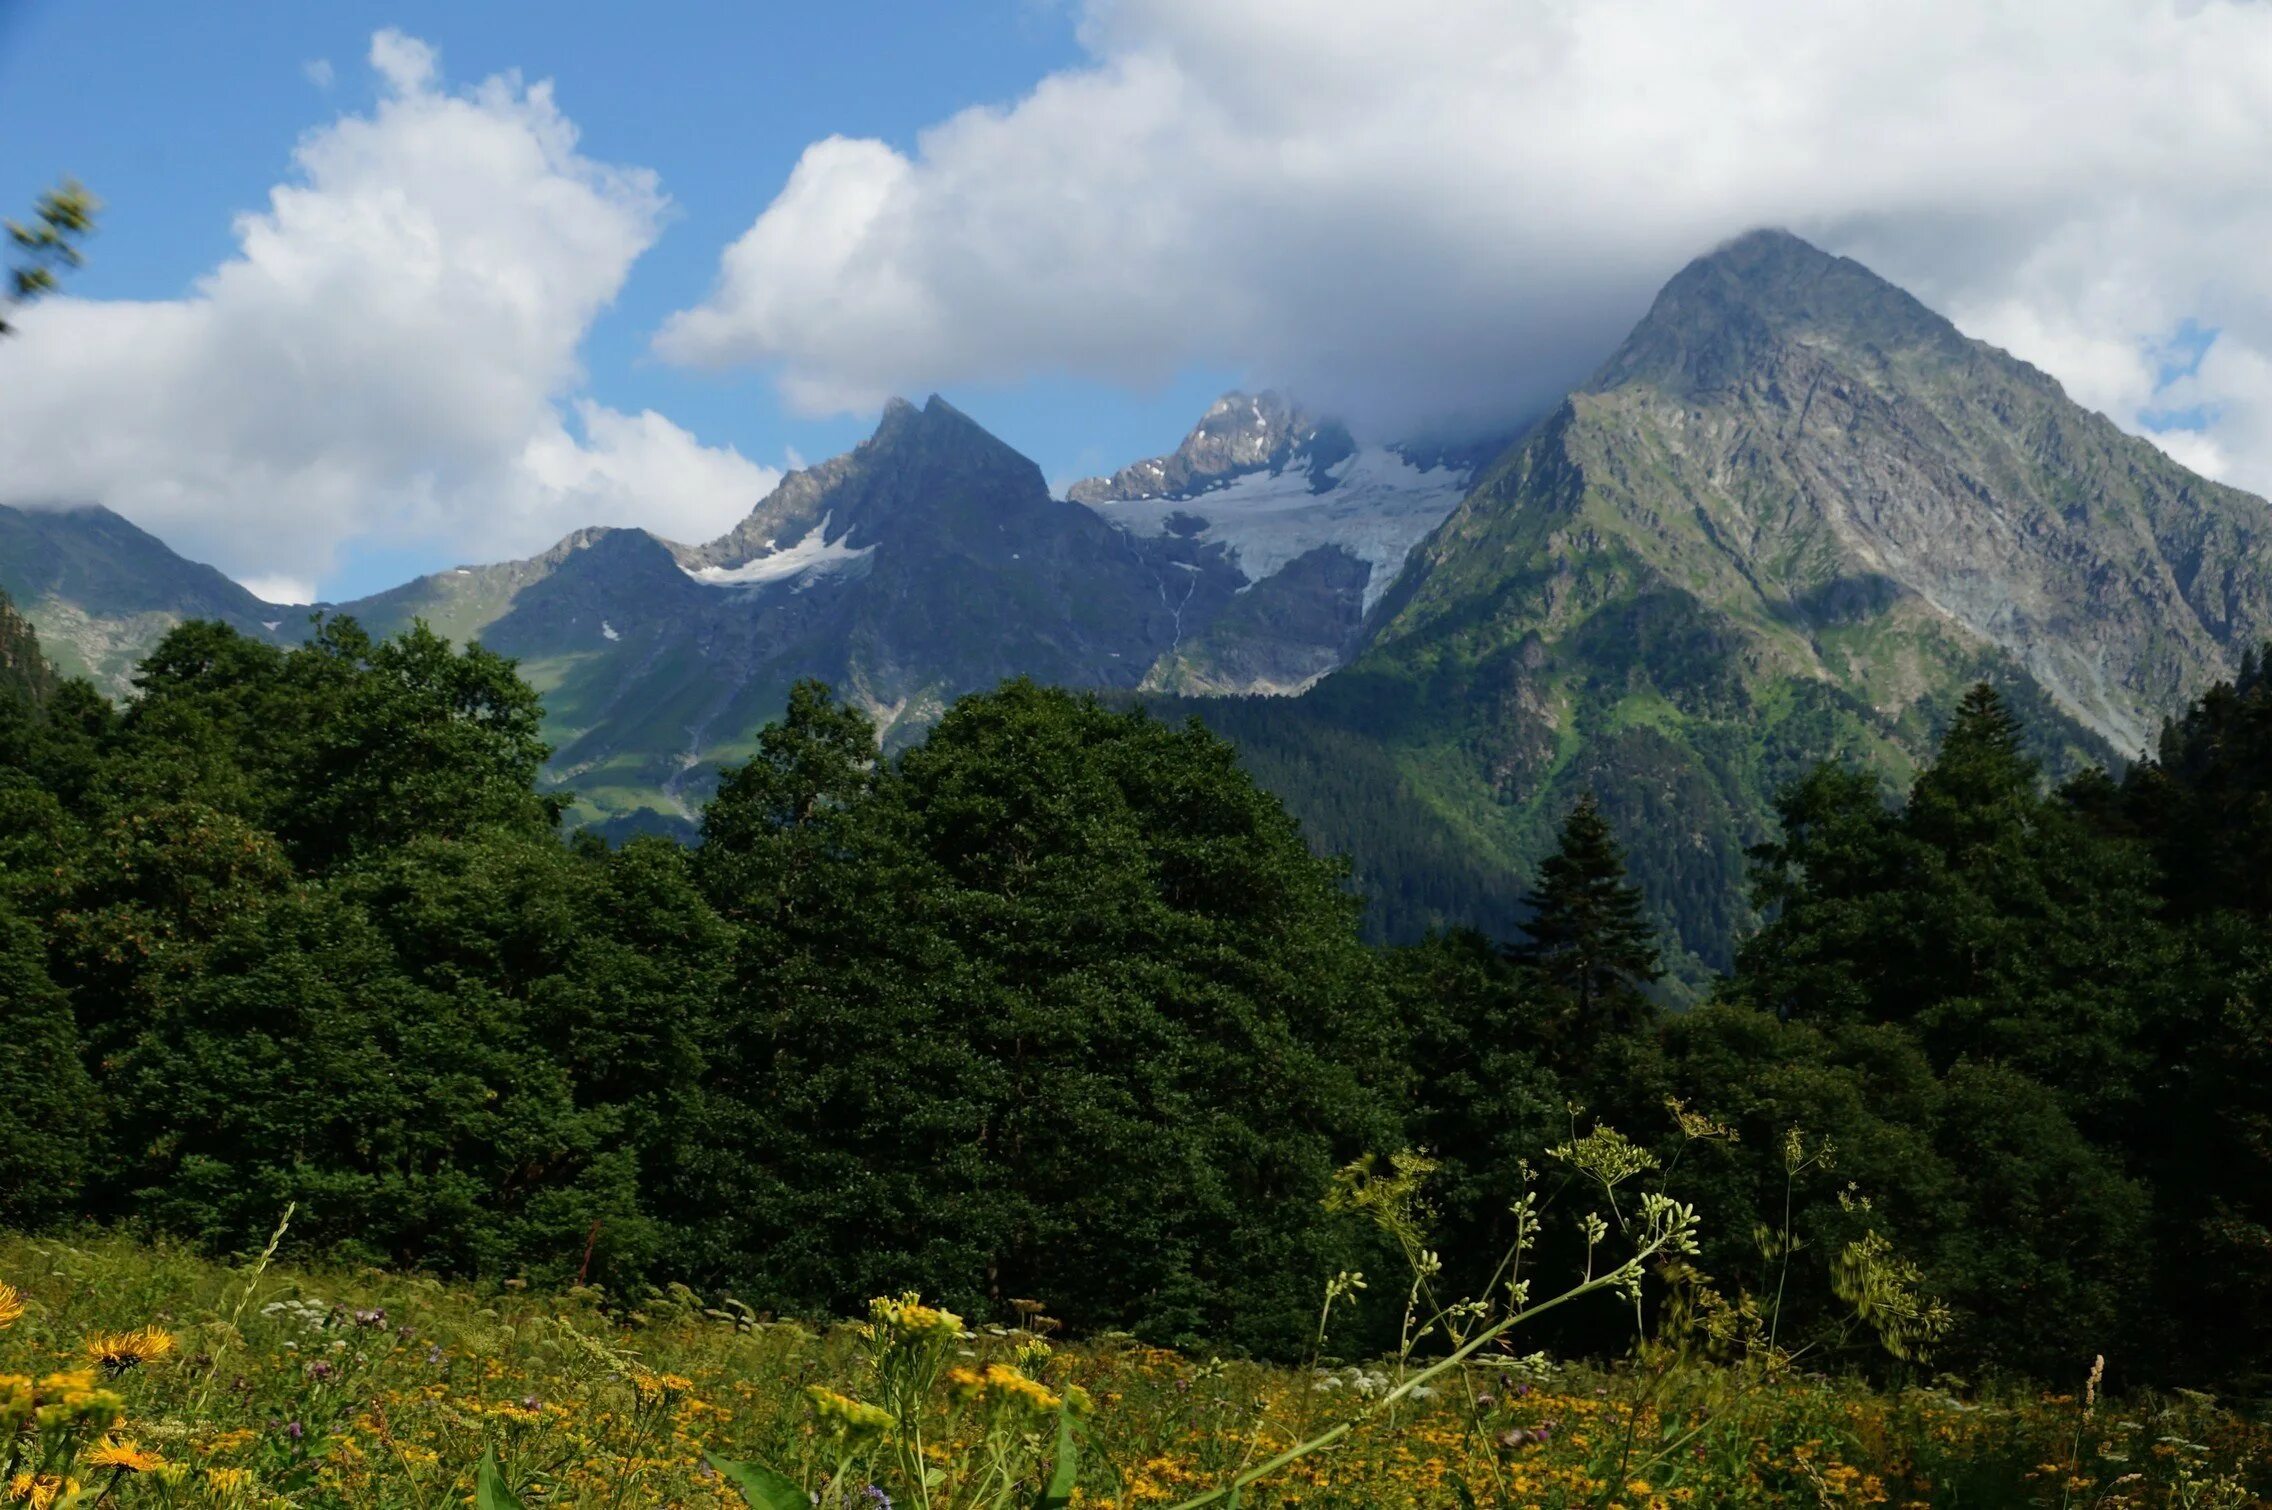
column 1058, row 1003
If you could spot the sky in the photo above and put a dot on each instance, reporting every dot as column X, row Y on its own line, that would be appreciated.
column 380, row 289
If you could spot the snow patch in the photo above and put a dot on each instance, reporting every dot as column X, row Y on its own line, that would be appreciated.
column 272, row 625
column 1379, row 507
column 814, row 554
column 607, row 631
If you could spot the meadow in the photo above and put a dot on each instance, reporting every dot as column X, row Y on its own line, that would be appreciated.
column 134, row 1374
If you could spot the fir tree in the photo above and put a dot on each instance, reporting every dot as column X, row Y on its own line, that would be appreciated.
column 1588, row 932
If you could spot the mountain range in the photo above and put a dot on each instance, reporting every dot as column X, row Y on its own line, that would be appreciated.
column 1791, row 518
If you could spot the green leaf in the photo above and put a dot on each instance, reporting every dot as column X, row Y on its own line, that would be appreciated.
column 1059, row 1490
column 761, row 1487
column 489, row 1488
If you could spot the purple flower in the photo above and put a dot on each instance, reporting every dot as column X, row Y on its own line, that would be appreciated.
column 875, row 1496
column 295, row 1430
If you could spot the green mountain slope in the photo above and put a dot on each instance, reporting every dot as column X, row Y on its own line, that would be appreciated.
column 101, row 591
column 1791, row 519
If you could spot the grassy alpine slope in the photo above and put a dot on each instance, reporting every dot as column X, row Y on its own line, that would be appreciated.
column 168, row 1380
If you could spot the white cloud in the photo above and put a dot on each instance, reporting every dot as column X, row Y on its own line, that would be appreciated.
column 1405, row 209
column 286, row 590
column 392, row 353
column 318, row 72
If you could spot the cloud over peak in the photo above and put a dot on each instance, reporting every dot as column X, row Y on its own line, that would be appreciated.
column 1465, row 202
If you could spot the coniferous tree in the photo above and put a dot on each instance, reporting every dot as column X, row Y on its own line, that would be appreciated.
column 1589, row 935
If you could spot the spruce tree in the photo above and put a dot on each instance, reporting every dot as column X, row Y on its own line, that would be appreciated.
column 1982, row 784
column 1588, row 932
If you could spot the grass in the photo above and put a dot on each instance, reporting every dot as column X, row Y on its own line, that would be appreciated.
column 339, row 1387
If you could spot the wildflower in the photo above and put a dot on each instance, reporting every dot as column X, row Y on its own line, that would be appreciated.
column 11, row 1306
column 1002, row 1385
column 650, row 1384
column 113, row 1453
column 69, row 1401
column 228, row 1483
column 40, row 1490
column 117, row 1352
column 842, row 1416
column 907, row 1319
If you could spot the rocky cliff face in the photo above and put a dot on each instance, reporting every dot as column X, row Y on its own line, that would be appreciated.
column 25, row 676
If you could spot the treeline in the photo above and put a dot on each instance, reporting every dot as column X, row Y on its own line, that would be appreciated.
column 1059, row 1005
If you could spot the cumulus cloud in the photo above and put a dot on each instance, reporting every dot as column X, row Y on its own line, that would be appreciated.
column 1463, row 203
column 392, row 352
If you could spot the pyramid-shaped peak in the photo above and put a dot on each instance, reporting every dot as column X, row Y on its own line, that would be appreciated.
column 1769, row 251
column 1726, row 310
column 934, row 420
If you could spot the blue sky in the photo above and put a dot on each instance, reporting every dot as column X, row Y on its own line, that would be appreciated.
column 181, row 116
column 362, row 305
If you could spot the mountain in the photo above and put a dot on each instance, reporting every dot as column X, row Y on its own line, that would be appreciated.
column 1318, row 524
column 929, row 561
column 101, row 592
column 1791, row 518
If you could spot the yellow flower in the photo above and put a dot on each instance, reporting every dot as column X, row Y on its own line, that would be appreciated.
column 11, row 1305
column 651, row 1384
column 1002, row 1385
column 40, row 1490
column 228, row 1483
column 908, row 1319
column 64, row 1401
column 842, row 1416
column 120, row 1351
column 112, row 1453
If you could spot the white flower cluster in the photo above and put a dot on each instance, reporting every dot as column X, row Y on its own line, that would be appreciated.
column 1355, row 1379
column 306, row 1315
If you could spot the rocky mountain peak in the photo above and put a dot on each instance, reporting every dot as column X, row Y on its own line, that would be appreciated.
column 917, row 471
column 1725, row 314
column 1240, row 434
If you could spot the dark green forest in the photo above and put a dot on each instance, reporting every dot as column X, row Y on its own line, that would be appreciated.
column 1059, row 1003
